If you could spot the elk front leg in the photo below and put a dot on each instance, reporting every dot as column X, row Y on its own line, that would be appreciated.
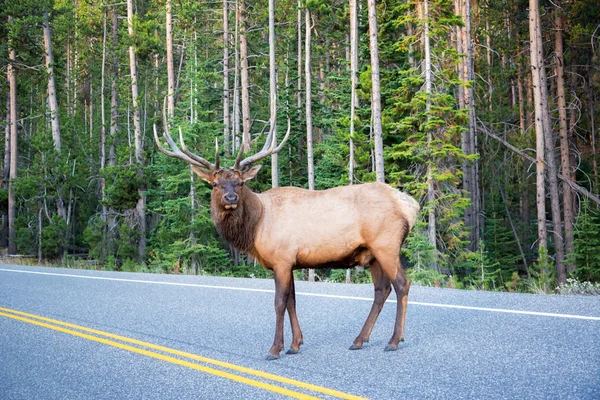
column 382, row 291
column 291, row 308
column 283, row 285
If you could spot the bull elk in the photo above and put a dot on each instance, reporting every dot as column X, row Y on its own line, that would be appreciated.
column 291, row 228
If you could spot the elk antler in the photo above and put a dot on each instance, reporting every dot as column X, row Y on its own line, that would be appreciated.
column 267, row 150
column 183, row 153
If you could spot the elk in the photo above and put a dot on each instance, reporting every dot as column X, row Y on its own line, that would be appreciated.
column 290, row 228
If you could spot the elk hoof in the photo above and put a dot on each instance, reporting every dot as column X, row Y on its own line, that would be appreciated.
column 390, row 347
column 271, row 357
column 292, row 351
column 355, row 347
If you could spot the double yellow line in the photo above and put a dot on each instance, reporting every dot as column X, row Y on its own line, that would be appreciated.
column 105, row 338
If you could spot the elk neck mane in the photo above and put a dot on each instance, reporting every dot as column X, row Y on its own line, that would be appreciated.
column 238, row 227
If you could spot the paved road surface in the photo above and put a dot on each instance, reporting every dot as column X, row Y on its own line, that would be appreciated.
column 104, row 335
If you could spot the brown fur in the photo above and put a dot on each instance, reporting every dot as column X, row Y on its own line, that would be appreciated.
column 238, row 226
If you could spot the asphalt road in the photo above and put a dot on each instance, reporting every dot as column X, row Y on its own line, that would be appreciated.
column 186, row 337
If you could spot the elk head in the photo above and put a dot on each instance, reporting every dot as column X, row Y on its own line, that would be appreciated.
column 226, row 182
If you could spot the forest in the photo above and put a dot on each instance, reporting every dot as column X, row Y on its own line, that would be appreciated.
column 484, row 111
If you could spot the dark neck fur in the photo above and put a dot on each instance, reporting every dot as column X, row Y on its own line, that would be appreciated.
column 238, row 227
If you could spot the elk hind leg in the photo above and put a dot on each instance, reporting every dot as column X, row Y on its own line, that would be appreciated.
column 392, row 269
column 297, row 338
column 382, row 291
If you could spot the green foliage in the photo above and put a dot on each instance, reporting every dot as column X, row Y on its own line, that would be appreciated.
column 542, row 274
column 587, row 244
column 122, row 184
column 418, row 250
column 356, row 276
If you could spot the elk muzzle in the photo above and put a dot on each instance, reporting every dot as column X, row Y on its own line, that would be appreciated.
column 230, row 201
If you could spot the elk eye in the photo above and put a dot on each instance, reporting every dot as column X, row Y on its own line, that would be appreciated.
column 214, row 184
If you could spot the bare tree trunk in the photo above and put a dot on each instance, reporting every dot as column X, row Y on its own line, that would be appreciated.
column 273, row 92
column 114, row 96
column 431, row 227
column 469, row 138
column 308, row 100
column 103, row 139
column 592, row 119
column 299, row 94
column 544, row 141
column 568, row 204
column 246, row 138
column 226, row 105
column 170, row 70
column 6, row 174
column 12, row 201
column 353, row 82
column 236, row 92
column 139, row 151
column 51, row 84
column 53, row 103
column 308, row 111
column 376, row 92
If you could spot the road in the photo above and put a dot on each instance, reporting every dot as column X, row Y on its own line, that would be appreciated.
column 81, row 334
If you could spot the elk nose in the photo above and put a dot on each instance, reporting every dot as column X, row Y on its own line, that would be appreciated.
column 231, row 198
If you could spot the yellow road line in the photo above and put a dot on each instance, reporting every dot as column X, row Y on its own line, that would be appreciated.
column 192, row 356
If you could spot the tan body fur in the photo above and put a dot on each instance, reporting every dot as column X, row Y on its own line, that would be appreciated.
column 310, row 229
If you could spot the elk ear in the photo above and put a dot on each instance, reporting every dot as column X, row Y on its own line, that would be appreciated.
column 251, row 173
column 203, row 174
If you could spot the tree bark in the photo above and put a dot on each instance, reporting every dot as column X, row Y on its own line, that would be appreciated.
column 170, row 66
column 246, row 138
column 12, row 203
column 376, row 93
column 308, row 100
column 353, row 82
column 568, row 204
column 6, row 174
column 536, row 70
column 273, row 92
column 139, row 151
column 431, row 226
column 114, row 95
column 51, row 84
column 308, row 111
column 469, row 137
column 226, row 105
column 544, row 129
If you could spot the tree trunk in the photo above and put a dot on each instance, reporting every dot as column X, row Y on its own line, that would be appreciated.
column 226, row 105
column 114, row 95
column 170, row 66
column 353, row 81
column 544, row 134
column 246, row 138
column 139, row 151
column 51, row 84
column 12, row 201
column 236, row 92
column 273, row 92
column 568, row 204
column 544, row 124
column 308, row 111
column 299, row 83
column 6, row 174
column 431, row 226
column 376, row 92
column 308, row 100
column 469, row 138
